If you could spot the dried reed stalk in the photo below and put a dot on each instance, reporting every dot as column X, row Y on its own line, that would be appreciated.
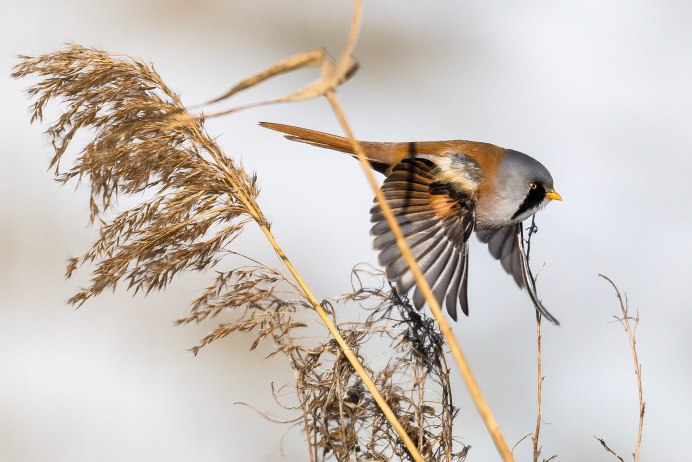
column 535, row 436
column 626, row 322
column 607, row 448
column 539, row 392
column 539, row 355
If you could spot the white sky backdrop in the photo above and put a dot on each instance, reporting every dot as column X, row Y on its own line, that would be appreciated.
column 600, row 92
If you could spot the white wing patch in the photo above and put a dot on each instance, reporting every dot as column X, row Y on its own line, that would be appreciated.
column 457, row 170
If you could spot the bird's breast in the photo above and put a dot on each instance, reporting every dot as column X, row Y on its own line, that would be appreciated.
column 492, row 211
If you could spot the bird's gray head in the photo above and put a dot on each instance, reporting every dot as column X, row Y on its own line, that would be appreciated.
column 522, row 187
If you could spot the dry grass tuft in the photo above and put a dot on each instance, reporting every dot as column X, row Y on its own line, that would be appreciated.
column 341, row 418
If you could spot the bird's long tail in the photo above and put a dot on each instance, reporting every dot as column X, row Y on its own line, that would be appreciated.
column 319, row 139
column 380, row 155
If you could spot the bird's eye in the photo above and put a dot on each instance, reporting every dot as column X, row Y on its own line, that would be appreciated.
column 532, row 186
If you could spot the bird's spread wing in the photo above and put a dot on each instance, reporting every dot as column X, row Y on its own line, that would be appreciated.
column 436, row 218
column 507, row 245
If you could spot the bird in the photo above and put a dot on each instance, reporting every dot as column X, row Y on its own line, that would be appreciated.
column 441, row 192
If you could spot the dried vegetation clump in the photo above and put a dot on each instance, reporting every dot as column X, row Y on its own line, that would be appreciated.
column 193, row 202
column 200, row 199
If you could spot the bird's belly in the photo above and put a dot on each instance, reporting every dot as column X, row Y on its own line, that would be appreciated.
column 493, row 219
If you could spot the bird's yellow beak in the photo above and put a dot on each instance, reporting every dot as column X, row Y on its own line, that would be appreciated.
column 552, row 194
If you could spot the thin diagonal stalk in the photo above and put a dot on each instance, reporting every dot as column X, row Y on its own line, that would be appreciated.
column 259, row 218
column 607, row 448
column 424, row 287
column 536, row 434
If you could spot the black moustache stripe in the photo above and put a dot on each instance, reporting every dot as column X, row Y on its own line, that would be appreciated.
column 532, row 200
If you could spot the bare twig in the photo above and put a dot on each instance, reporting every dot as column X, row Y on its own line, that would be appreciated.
column 626, row 322
column 539, row 379
column 528, row 435
column 607, row 448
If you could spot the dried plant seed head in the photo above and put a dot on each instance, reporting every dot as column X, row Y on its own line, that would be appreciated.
column 200, row 199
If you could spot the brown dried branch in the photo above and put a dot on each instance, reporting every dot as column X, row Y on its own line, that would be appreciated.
column 607, row 448
column 539, row 392
column 535, row 437
column 626, row 322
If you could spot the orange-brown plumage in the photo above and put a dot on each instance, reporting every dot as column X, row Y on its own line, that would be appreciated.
column 487, row 155
column 440, row 192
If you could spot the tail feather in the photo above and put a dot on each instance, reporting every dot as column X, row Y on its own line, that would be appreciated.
column 381, row 155
column 313, row 137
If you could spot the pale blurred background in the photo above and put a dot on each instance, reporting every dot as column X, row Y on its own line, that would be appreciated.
column 600, row 92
